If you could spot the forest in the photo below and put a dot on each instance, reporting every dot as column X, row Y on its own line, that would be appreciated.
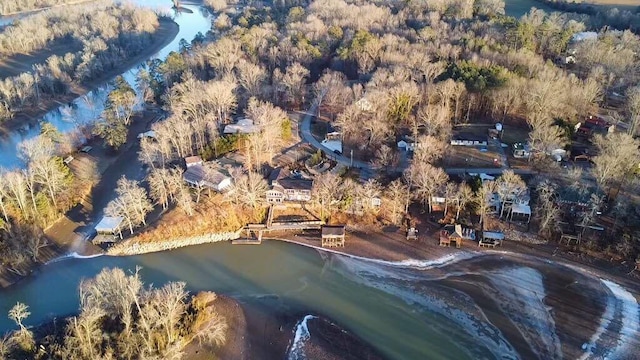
column 97, row 38
column 377, row 71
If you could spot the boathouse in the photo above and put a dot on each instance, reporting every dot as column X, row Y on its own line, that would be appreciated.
column 333, row 235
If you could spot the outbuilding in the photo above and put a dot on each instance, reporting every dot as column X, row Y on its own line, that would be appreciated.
column 109, row 229
column 333, row 235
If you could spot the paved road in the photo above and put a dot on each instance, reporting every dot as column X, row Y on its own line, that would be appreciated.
column 367, row 170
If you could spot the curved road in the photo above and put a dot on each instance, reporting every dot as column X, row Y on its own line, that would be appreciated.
column 368, row 171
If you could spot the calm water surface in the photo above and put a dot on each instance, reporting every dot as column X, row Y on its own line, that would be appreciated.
column 296, row 275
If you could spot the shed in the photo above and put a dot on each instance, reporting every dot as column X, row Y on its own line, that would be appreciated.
column 491, row 238
column 110, row 225
column 521, row 210
column 333, row 235
column 412, row 234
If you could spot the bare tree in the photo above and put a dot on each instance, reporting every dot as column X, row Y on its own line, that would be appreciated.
column 633, row 108
column 250, row 189
column 326, row 189
column 131, row 203
column 465, row 197
column 483, row 198
column 509, row 187
column 428, row 181
column 292, row 82
column 618, row 156
column 396, row 196
column 251, row 77
column 18, row 313
column 547, row 212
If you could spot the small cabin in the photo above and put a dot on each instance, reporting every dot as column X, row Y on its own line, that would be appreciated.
column 333, row 235
column 412, row 234
column 109, row 229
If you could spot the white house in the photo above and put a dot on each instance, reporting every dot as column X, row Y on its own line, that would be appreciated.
column 201, row 175
column 242, row 126
column 584, row 35
column 287, row 188
column 364, row 104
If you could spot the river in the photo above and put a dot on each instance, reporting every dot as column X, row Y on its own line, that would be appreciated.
column 460, row 307
column 464, row 306
column 87, row 108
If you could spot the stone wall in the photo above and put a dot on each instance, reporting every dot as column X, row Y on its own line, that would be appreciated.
column 134, row 247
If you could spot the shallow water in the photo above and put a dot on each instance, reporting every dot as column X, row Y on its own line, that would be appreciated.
column 405, row 312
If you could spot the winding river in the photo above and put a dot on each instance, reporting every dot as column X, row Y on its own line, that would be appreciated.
column 467, row 305
column 88, row 107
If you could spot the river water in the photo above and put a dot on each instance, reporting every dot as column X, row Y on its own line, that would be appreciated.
column 429, row 310
column 87, row 108
column 451, row 308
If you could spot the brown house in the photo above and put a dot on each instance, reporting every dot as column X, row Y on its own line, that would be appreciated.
column 286, row 187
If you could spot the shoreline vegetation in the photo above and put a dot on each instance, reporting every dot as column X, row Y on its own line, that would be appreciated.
column 65, row 75
column 166, row 33
column 621, row 15
column 170, row 322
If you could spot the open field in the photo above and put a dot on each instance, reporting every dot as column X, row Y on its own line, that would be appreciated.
column 470, row 157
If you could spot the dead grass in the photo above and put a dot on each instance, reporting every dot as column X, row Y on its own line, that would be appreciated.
column 213, row 215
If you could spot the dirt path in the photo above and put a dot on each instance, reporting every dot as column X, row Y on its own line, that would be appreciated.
column 70, row 231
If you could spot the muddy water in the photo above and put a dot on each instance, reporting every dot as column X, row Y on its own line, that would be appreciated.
column 484, row 307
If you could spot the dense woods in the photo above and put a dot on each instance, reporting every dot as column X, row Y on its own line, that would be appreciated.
column 378, row 72
column 121, row 318
column 97, row 38
column 13, row 6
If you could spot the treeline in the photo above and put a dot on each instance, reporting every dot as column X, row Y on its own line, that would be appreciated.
column 121, row 318
column 600, row 15
column 107, row 34
column 33, row 197
column 13, row 6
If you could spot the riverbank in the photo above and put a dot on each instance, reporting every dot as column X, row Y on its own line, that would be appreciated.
column 165, row 34
column 135, row 247
column 260, row 329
